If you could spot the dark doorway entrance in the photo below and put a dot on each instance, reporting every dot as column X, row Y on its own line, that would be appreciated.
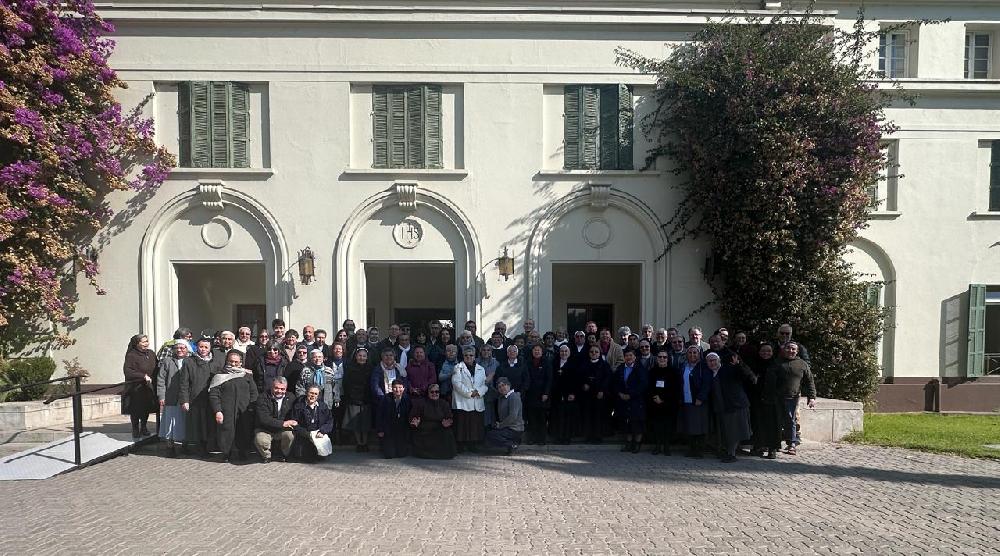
column 419, row 318
column 577, row 315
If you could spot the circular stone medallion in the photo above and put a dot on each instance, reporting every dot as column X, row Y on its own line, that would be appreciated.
column 216, row 233
column 408, row 233
column 597, row 232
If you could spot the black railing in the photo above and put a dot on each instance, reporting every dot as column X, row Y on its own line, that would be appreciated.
column 76, row 394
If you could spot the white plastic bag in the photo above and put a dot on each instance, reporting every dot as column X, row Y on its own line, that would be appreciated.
column 324, row 446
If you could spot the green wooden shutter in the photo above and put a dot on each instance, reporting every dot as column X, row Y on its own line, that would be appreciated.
column 200, row 125
column 415, row 127
column 184, row 123
column 239, row 116
column 397, row 128
column 591, row 123
column 873, row 291
column 581, row 126
column 432, row 127
column 608, row 134
column 380, row 126
column 625, row 124
column 219, row 109
column 977, row 330
column 995, row 175
column 571, row 126
column 616, row 127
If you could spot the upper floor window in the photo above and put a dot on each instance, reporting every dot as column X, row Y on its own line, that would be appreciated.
column 892, row 54
column 406, row 126
column 214, row 124
column 977, row 55
column 882, row 195
column 597, row 132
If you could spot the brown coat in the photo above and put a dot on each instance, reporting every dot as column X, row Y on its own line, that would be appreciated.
column 138, row 397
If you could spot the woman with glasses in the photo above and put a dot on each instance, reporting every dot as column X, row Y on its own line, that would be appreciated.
column 468, row 386
column 696, row 387
column 664, row 402
column 269, row 364
column 432, row 420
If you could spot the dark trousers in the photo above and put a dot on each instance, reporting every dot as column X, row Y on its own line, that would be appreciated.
column 235, row 431
column 138, row 422
column 564, row 419
column 536, row 426
column 662, row 425
column 592, row 418
column 501, row 439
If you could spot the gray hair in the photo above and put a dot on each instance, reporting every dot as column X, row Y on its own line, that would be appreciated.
column 513, row 347
column 227, row 334
column 711, row 356
column 624, row 330
column 503, row 380
column 280, row 380
column 314, row 387
column 469, row 350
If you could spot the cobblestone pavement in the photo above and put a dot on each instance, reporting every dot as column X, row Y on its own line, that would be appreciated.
column 830, row 499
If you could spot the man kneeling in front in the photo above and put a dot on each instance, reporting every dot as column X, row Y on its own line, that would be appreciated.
column 274, row 421
column 506, row 432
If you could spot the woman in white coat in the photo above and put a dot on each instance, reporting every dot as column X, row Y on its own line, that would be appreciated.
column 468, row 385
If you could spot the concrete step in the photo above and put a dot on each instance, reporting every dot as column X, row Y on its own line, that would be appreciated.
column 113, row 425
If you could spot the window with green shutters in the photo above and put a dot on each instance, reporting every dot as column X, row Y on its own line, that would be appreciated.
column 598, row 121
column 995, row 175
column 977, row 330
column 873, row 294
column 214, row 119
column 406, row 123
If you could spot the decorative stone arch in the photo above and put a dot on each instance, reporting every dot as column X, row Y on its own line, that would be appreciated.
column 410, row 199
column 278, row 288
column 598, row 198
column 887, row 273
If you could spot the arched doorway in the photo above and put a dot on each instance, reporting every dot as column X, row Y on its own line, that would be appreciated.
column 875, row 267
column 597, row 261
column 409, row 262
column 211, row 265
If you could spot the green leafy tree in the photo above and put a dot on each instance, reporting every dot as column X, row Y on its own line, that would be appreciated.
column 774, row 127
column 65, row 143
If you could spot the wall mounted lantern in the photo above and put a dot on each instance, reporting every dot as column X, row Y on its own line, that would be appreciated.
column 505, row 264
column 307, row 266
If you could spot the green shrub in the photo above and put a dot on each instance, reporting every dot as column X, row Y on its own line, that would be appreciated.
column 25, row 371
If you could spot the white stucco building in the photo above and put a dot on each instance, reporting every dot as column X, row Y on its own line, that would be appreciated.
column 407, row 144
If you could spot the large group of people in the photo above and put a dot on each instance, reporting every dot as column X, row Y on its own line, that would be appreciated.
column 438, row 392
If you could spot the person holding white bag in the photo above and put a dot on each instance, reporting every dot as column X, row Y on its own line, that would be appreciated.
column 314, row 425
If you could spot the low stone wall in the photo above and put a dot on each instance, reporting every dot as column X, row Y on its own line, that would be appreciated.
column 20, row 416
column 831, row 420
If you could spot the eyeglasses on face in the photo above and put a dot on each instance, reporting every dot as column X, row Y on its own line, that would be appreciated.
column 273, row 349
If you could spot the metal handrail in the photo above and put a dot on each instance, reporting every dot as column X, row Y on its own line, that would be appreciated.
column 76, row 394
column 32, row 384
column 91, row 391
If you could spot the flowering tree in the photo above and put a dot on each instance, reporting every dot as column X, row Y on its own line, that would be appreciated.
column 64, row 145
column 775, row 127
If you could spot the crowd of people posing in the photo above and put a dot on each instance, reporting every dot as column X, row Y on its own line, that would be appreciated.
column 434, row 393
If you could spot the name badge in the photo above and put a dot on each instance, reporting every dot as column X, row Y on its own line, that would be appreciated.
column 661, row 384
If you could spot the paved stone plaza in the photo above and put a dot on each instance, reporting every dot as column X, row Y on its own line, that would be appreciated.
column 831, row 499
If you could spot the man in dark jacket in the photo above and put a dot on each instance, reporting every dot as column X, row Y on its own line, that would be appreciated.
column 274, row 421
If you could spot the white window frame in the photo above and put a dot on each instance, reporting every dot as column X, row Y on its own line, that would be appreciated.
column 885, row 61
column 970, row 61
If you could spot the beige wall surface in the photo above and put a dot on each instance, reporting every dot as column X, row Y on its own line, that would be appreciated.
column 502, row 65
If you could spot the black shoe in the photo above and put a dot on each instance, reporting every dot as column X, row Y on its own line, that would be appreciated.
column 636, row 447
column 728, row 459
column 666, row 450
column 359, row 448
column 510, row 450
column 145, row 432
column 773, row 454
column 627, row 447
column 265, row 460
column 655, row 451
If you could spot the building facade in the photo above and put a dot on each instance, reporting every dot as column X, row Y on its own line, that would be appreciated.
column 408, row 146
